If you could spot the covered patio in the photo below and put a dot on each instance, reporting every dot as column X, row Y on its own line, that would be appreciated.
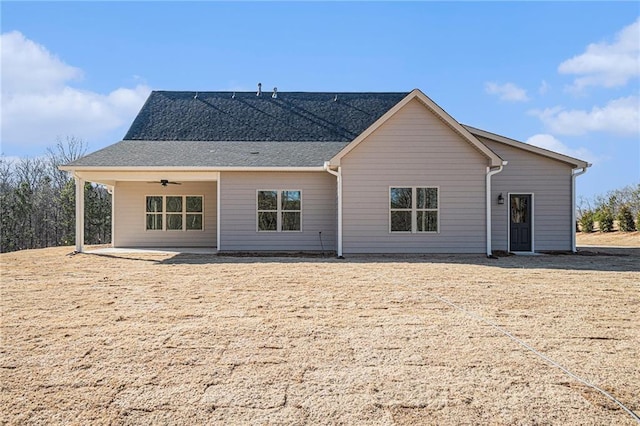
column 129, row 188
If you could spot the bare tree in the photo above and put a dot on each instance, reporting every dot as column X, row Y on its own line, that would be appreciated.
column 37, row 201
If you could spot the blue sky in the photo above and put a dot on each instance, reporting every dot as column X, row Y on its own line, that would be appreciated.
column 564, row 76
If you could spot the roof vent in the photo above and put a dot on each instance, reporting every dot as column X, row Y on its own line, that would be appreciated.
column 195, row 96
column 259, row 89
column 233, row 96
column 275, row 93
column 335, row 99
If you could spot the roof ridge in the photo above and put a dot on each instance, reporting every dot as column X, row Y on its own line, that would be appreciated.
column 281, row 92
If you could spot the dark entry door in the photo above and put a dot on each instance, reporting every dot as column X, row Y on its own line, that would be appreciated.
column 520, row 222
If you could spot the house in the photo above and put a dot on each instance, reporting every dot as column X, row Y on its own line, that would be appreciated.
column 347, row 172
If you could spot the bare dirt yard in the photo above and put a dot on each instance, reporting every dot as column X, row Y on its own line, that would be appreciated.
column 616, row 238
column 204, row 339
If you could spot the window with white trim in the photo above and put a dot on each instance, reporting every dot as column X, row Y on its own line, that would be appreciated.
column 413, row 209
column 155, row 213
column 279, row 210
column 174, row 213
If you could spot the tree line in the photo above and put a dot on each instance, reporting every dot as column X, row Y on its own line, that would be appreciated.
column 619, row 207
column 37, row 201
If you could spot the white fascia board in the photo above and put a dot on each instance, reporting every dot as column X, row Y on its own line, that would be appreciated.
column 110, row 175
column 189, row 169
column 495, row 159
column 577, row 163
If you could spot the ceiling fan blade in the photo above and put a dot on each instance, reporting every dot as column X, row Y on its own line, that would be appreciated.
column 165, row 182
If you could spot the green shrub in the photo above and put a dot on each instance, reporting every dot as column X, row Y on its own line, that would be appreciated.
column 605, row 220
column 586, row 221
column 625, row 219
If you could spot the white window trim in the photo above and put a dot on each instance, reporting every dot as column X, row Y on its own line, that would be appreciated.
column 144, row 222
column 414, row 210
column 183, row 213
column 167, row 214
column 279, row 210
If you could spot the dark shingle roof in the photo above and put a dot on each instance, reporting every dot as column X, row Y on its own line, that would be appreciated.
column 240, row 129
column 211, row 154
column 243, row 116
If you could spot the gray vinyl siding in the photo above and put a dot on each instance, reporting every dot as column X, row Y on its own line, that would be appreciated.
column 238, row 215
column 130, row 215
column 414, row 148
column 550, row 183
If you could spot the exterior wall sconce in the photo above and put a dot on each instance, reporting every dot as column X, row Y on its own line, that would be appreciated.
column 500, row 199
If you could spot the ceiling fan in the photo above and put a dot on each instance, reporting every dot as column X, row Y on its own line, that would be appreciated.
column 165, row 182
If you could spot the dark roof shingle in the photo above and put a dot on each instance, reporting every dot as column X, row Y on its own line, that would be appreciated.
column 243, row 116
column 189, row 154
column 240, row 129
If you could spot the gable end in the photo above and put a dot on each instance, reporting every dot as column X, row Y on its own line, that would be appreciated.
column 494, row 159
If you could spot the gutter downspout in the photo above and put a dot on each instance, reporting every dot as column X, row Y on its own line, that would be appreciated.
column 574, row 175
column 338, row 176
column 491, row 172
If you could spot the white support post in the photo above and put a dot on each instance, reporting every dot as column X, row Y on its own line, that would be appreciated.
column 339, row 184
column 79, row 214
column 113, row 215
column 218, row 224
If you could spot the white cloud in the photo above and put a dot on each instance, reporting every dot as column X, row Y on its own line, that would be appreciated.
column 28, row 67
column 549, row 142
column 619, row 116
column 544, row 87
column 39, row 104
column 607, row 64
column 506, row 91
